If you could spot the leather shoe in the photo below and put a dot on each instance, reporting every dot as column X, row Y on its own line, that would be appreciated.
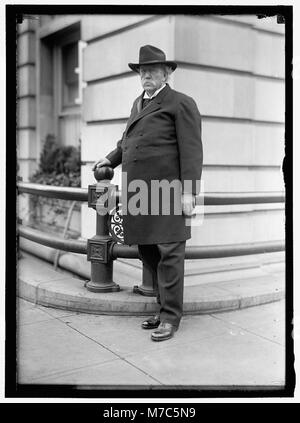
column 164, row 331
column 151, row 323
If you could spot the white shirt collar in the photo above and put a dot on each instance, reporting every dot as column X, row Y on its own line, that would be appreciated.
column 156, row 92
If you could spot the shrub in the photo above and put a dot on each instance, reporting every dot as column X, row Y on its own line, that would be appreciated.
column 59, row 165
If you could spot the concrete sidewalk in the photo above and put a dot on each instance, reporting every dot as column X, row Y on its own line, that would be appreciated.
column 243, row 347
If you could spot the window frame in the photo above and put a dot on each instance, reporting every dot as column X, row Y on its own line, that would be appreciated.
column 73, row 36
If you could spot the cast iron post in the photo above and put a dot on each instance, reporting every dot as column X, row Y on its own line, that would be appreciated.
column 100, row 198
column 149, row 283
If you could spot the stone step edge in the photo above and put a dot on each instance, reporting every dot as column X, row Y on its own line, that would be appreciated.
column 72, row 299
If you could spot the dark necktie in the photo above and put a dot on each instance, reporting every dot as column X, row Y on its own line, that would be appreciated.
column 146, row 101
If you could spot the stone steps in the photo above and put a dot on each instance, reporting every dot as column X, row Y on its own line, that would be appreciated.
column 40, row 283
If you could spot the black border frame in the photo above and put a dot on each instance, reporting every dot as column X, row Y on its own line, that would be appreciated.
column 12, row 389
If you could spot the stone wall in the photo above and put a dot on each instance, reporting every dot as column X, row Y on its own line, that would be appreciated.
column 233, row 66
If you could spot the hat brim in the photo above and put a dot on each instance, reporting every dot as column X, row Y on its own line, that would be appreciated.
column 136, row 66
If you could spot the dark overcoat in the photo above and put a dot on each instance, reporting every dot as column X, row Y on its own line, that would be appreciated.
column 160, row 142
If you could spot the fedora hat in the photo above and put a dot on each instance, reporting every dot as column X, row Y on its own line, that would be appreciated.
column 150, row 55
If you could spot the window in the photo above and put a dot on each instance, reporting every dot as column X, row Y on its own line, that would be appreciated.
column 62, row 113
column 70, row 83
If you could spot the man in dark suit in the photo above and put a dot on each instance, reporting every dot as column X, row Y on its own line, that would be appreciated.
column 161, row 142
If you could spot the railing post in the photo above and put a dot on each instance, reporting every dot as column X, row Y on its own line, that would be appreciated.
column 149, row 284
column 98, row 247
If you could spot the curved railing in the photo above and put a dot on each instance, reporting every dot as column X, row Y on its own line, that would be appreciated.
column 102, row 249
column 211, row 199
column 65, row 193
column 70, row 245
column 126, row 251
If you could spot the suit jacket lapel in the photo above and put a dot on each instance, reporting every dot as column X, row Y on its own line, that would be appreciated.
column 140, row 103
column 151, row 107
column 136, row 110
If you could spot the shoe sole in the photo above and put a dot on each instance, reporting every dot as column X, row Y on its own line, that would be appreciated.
column 149, row 327
column 162, row 339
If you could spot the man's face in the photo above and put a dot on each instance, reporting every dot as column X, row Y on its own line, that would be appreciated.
column 152, row 77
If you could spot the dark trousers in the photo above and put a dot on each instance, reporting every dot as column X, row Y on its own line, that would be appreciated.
column 166, row 263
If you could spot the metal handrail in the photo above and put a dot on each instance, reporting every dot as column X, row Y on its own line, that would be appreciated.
column 64, row 193
column 71, row 245
column 214, row 199
column 212, row 251
column 210, row 199
column 126, row 251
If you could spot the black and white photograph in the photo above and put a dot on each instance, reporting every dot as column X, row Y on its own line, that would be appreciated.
column 153, row 162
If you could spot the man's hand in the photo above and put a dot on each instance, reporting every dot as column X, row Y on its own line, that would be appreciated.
column 101, row 163
column 188, row 202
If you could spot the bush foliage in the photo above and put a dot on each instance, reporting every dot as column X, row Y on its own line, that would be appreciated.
column 59, row 165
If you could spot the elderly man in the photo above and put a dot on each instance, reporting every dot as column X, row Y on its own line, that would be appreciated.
column 161, row 142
